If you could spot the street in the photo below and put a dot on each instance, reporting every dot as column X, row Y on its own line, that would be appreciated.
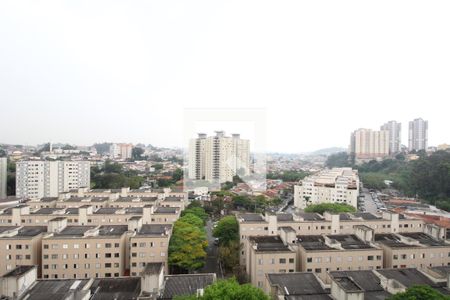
column 212, row 256
column 369, row 203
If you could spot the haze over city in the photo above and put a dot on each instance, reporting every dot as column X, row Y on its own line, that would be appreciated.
column 85, row 72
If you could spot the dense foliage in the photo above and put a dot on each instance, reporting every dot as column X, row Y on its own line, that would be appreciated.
column 188, row 243
column 329, row 207
column 197, row 211
column 289, row 176
column 227, row 231
column 113, row 176
column 419, row 292
column 228, row 290
column 428, row 177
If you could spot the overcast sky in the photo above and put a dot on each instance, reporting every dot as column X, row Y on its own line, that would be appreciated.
column 124, row 71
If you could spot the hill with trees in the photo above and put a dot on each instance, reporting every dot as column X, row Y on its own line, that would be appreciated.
column 428, row 177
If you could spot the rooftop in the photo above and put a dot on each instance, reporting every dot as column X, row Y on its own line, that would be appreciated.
column 127, row 288
column 425, row 239
column 29, row 231
column 106, row 211
column 310, row 216
column 186, row 284
column 18, row 271
column 74, row 231
column 350, row 241
column 268, row 243
column 313, row 242
column 56, row 289
column 297, row 283
column 112, row 230
column 366, row 216
column 407, row 277
column 154, row 229
column 166, row 210
column 251, row 217
column 391, row 240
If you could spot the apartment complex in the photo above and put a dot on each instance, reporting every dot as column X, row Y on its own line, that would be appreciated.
column 395, row 129
column 357, row 284
column 338, row 185
column 418, row 135
column 369, row 144
column 21, row 245
column 39, row 179
column 344, row 242
column 218, row 158
column 3, row 176
column 323, row 253
column 268, row 254
column 23, row 283
column 121, row 150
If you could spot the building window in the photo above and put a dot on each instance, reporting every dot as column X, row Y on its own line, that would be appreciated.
column 282, row 260
column 309, row 259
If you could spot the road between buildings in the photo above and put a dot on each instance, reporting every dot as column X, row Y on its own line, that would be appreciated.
column 212, row 253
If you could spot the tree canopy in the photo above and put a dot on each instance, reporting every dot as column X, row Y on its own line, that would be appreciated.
column 330, row 207
column 227, row 230
column 197, row 211
column 188, row 243
column 113, row 176
column 228, row 290
column 419, row 292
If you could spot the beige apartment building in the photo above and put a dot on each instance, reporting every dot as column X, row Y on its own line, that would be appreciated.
column 323, row 253
column 315, row 224
column 268, row 254
column 149, row 244
column 413, row 250
column 338, row 185
column 84, row 251
column 369, row 144
column 21, row 245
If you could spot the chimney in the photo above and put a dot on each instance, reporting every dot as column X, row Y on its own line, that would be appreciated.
column 57, row 224
column 147, row 212
column 273, row 226
column 83, row 212
column 135, row 223
column 364, row 233
column 124, row 191
column 152, row 278
column 17, row 212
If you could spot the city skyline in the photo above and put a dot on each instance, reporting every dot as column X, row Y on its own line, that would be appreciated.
column 91, row 65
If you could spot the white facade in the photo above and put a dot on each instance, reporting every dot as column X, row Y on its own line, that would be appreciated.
column 38, row 179
column 369, row 144
column 418, row 135
column 338, row 185
column 395, row 130
column 121, row 150
column 3, row 176
column 219, row 157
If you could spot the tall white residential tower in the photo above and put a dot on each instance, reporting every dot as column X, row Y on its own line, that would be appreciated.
column 418, row 135
column 218, row 158
column 395, row 130
column 38, row 179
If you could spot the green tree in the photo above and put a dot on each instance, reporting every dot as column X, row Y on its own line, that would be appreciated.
column 158, row 166
column 330, row 207
column 192, row 219
column 338, row 160
column 227, row 230
column 136, row 153
column 229, row 255
column 187, row 245
column 229, row 290
column 419, row 292
column 177, row 175
column 197, row 211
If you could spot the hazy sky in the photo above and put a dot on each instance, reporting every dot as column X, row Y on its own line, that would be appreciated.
column 91, row 71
